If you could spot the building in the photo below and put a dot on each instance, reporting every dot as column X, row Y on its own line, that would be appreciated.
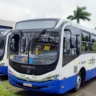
column 5, row 24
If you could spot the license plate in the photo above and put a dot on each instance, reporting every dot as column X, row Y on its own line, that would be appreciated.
column 27, row 85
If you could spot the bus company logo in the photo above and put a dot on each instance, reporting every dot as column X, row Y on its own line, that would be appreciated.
column 28, row 71
column 92, row 60
column 83, row 62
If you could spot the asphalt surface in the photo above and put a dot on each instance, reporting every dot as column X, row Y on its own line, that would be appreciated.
column 89, row 89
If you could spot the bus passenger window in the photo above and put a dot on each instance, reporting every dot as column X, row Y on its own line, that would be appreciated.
column 85, row 44
column 93, row 43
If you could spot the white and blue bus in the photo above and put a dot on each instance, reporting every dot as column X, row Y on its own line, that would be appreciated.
column 51, row 55
column 4, row 35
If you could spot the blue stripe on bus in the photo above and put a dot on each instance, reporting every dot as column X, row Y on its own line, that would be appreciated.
column 4, row 70
column 90, row 74
column 54, row 86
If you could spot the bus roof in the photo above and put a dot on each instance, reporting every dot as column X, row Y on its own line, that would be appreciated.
column 83, row 28
column 61, row 21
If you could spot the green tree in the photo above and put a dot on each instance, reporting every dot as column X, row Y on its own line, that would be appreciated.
column 80, row 13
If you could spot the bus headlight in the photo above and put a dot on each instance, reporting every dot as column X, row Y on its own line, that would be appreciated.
column 2, row 64
column 53, row 77
column 10, row 72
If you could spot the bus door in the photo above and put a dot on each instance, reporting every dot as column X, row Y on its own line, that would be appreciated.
column 70, row 46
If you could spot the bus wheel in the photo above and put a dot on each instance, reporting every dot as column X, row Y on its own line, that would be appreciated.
column 78, row 83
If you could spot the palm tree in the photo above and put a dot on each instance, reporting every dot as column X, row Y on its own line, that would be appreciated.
column 80, row 13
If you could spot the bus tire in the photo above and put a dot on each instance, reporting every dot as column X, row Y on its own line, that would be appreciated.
column 78, row 83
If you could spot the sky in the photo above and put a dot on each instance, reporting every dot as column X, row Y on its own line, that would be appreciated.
column 16, row 10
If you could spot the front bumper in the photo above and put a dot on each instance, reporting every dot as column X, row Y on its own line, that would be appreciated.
column 52, row 86
column 4, row 70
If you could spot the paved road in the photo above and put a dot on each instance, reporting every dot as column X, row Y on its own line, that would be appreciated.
column 89, row 89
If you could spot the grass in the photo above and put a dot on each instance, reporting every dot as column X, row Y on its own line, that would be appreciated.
column 8, row 90
column 5, row 92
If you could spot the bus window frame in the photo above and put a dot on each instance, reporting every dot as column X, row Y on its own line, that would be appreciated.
column 72, row 55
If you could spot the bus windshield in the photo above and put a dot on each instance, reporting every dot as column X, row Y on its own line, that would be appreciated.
column 37, row 48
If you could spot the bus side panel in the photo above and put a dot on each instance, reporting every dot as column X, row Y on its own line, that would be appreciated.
column 68, row 84
column 4, row 70
column 90, row 74
column 70, row 70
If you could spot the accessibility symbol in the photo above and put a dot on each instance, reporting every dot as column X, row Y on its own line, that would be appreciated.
column 31, row 61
